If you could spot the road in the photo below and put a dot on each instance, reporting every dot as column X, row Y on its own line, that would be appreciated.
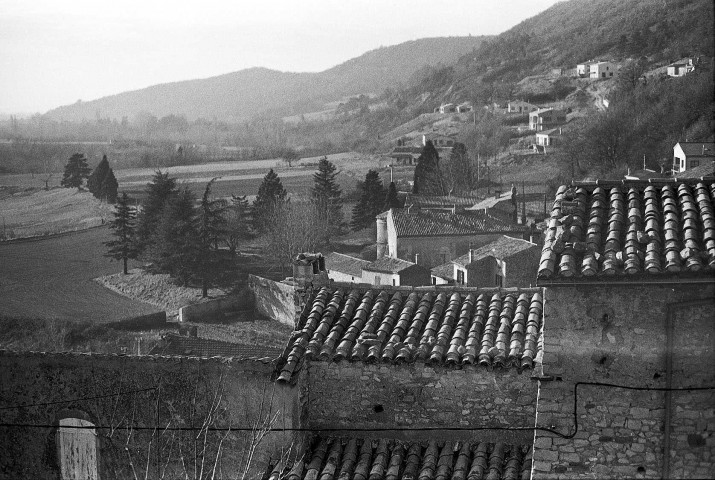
column 52, row 278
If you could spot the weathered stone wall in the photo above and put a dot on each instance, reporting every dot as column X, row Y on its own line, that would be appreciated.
column 274, row 300
column 125, row 398
column 211, row 309
column 414, row 396
column 618, row 334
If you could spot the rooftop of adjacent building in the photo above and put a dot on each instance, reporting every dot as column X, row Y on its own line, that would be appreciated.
column 502, row 248
column 415, row 222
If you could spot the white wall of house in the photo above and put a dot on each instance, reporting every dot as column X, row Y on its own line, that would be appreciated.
column 380, row 278
column 602, row 70
column 343, row 277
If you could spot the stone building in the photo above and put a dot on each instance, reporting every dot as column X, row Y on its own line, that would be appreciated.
column 430, row 238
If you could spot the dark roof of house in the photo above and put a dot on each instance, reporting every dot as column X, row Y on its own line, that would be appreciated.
column 388, row 265
column 440, row 201
column 386, row 459
column 446, row 271
column 695, row 149
column 454, row 327
column 425, row 223
column 629, row 228
column 339, row 262
column 204, row 347
column 501, row 248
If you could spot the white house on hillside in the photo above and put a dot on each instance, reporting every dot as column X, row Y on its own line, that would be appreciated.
column 687, row 155
column 602, row 70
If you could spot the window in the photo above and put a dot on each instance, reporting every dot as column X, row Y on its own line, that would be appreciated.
column 460, row 277
column 77, row 449
column 378, row 280
column 434, row 280
column 694, row 163
column 394, row 282
column 498, row 280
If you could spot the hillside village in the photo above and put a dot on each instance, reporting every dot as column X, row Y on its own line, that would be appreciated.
column 459, row 278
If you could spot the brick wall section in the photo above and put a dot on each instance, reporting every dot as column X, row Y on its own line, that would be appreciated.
column 621, row 432
column 242, row 389
column 359, row 395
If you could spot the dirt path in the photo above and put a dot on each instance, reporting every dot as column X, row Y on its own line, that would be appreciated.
column 52, row 278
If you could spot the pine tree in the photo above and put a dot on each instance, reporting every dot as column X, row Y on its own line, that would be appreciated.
column 123, row 247
column 109, row 187
column 239, row 222
column 428, row 179
column 76, row 171
column 211, row 228
column 175, row 244
column 271, row 195
column 327, row 199
column 159, row 191
column 391, row 199
column 372, row 199
column 94, row 182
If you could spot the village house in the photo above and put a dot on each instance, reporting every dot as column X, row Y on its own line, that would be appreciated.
column 431, row 238
column 520, row 106
column 681, row 68
column 465, row 107
column 505, row 262
column 384, row 271
column 602, row 70
column 344, row 268
column 547, row 138
column 546, row 119
column 688, row 155
column 583, row 69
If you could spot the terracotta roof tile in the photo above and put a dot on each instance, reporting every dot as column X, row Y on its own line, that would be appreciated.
column 445, row 328
column 628, row 228
column 388, row 265
column 421, row 223
column 339, row 262
column 388, row 459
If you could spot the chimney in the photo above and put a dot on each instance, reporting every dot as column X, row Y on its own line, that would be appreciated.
column 471, row 255
column 417, row 255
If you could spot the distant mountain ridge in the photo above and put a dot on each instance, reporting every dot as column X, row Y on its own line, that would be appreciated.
column 245, row 93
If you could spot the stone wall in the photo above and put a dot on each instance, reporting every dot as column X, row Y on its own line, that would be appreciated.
column 618, row 334
column 125, row 398
column 414, row 396
column 274, row 300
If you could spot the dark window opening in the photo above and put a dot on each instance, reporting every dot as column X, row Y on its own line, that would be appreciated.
column 378, row 408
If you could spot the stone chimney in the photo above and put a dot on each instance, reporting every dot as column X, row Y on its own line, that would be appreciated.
column 381, row 239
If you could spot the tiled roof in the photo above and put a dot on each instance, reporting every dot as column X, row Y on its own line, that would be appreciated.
column 446, row 271
column 626, row 228
column 204, row 347
column 704, row 171
column 421, row 223
column 345, row 264
column 698, row 149
column 388, row 265
column 450, row 327
column 440, row 200
column 383, row 459
column 503, row 247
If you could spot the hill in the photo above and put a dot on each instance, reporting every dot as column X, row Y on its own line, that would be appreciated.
column 243, row 94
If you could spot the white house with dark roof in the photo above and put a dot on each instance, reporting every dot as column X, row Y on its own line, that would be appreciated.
column 395, row 272
column 344, row 268
column 687, row 155
column 603, row 70
column 546, row 118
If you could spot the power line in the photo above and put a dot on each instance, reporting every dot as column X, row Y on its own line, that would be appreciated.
column 80, row 399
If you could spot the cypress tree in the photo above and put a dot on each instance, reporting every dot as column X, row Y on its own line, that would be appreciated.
column 327, row 199
column 76, row 171
column 109, row 187
column 123, row 247
column 271, row 194
column 391, row 199
column 159, row 191
column 211, row 228
column 94, row 182
column 428, row 179
column 372, row 199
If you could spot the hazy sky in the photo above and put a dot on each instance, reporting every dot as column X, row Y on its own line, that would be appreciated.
column 54, row 52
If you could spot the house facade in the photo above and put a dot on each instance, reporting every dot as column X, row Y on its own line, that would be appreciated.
column 506, row 262
column 602, row 70
column 681, row 68
column 688, row 155
column 344, row 268
column 550, row 137
column 431, row 238
column 395, row 272
column 583, row 69
column 546, row 119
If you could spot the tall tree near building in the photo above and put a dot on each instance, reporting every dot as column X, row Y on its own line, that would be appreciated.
column 161, row 189
column 175, row 246
column 391, row 199
column 76, row 171
column 428, row 178
column 239, row 222
column 109, row 187
column 123, row 246
column 211, row 229
column 271, row 195
column 372, row 199
column 327, row 199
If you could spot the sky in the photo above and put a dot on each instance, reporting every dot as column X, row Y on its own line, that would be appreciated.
column 54, row 52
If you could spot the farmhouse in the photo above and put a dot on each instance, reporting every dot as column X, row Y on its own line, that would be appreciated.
column 548, row 138
column 431, row 238
column 583, row 69
column 546, row 119
column 688, row 155
column 505, row 262
column 681, row 68
column 344, row 268
column 383, row 271
column 602, row 70
column 520, row 106
column 465, row 107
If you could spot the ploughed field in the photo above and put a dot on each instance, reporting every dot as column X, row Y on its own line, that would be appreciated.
column 53, row 278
